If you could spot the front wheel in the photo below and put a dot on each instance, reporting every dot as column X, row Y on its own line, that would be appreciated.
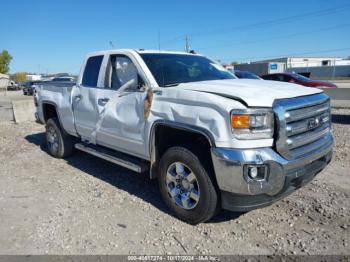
column 186, row 187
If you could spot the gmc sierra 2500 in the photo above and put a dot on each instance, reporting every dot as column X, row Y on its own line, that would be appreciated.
column 211, row 140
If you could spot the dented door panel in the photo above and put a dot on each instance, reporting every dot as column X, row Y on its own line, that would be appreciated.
column 88, row 105
column 121, row 126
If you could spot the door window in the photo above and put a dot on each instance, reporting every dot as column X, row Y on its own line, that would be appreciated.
column 92, row 70
column 122, row 70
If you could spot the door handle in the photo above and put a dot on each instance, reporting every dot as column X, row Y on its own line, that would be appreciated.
column 77, row 98
column 103, row 101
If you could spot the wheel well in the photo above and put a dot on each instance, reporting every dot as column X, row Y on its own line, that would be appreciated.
column 198, row 143
column 49, row 111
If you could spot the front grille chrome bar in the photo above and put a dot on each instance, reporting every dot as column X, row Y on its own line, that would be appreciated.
column 302, row 122
column 307, row 112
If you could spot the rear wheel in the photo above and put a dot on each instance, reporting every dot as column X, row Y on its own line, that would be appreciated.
column 59, row 144
column 186, row 187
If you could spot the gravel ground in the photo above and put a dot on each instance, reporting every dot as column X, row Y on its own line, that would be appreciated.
column 84, row 205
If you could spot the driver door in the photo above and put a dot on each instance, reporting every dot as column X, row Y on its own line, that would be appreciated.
column 121, row 125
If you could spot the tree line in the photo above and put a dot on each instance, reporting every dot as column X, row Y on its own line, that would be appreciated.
column 5, row 60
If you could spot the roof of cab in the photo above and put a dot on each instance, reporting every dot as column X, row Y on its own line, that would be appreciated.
column 140, row 51
column 150, row 51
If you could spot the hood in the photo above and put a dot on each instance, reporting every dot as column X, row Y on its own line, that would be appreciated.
column 255, row 93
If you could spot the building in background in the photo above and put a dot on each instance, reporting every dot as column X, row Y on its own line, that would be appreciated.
column 262, row 68
column 229, row 67
column 292, row 62
column 315, row 67
column 33, row 77
column 4, row 81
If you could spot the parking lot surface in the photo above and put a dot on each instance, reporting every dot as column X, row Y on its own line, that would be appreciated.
column 85, row 205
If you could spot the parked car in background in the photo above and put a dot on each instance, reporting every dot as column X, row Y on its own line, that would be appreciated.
column 246, row 75
column 63, row 79
column 29, row 86
column 13, row 86
column 298, row 79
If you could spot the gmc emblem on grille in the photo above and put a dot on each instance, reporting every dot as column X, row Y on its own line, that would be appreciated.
column 314, row 122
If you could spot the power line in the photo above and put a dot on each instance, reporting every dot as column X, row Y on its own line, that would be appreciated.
column 276, row 37
column 292, row 54
column 264, row 23
column 277, row 21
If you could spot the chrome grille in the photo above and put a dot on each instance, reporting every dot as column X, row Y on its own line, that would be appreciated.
column 303, row 125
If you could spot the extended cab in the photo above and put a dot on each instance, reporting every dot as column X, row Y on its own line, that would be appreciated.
column 213, row 141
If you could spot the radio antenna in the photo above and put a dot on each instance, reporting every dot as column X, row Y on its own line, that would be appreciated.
column 111, row 44
column 159, row 39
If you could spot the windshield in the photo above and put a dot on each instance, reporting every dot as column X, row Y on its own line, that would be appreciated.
column 301, row 77
column 173, row 69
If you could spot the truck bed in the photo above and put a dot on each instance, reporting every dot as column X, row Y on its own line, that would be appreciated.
column 59, row 95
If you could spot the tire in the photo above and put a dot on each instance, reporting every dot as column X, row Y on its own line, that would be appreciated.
column 198, row 201
column 59, row 143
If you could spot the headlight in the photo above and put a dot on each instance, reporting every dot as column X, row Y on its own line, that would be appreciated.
column 252, row 123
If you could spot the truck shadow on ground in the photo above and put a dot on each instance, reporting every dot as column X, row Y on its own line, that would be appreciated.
column 135, row 184
column 341, row 119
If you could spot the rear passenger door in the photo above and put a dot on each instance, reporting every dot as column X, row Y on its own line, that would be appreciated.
column 89, row 99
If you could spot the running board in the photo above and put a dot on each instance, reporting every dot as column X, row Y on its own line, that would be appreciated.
column 121, row 159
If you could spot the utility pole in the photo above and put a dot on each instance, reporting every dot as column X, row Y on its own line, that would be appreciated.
column 187, row 44
column 111, row 44
column 333, row 74
column 159, row 39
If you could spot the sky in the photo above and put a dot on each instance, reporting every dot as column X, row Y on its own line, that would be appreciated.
column 54, row 36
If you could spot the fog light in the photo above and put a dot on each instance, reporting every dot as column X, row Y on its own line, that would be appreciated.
column 253, row 171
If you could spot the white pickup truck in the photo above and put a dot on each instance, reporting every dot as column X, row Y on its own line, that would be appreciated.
column 211, row 140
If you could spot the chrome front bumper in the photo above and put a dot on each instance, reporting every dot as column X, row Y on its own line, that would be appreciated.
column 240, row 193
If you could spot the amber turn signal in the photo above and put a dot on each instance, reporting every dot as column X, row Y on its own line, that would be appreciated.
column 240, row 121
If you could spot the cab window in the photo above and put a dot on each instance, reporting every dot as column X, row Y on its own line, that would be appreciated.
column 92, row 70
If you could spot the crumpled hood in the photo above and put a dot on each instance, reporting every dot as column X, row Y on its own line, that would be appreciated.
column 258, row 93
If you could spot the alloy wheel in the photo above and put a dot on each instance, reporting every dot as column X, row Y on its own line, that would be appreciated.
column 182, row 185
